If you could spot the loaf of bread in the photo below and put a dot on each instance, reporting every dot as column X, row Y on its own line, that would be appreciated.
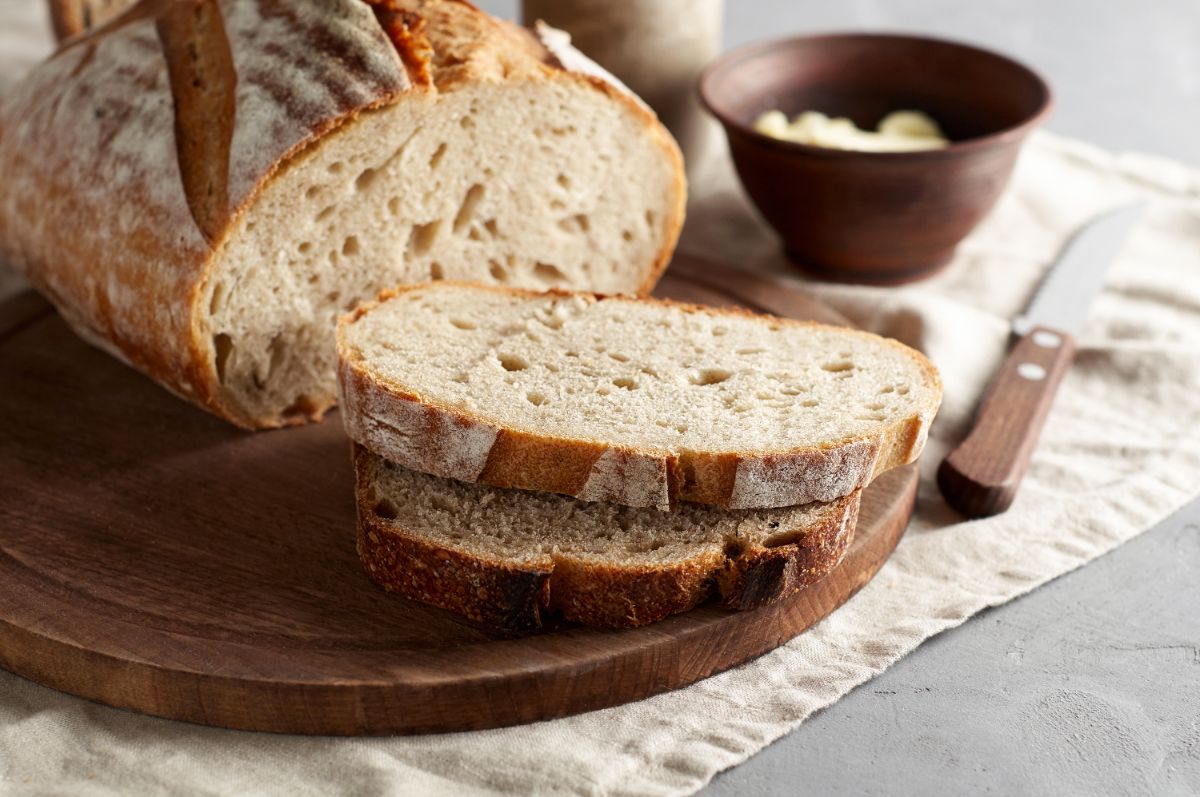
column 202, row 187
column 508, row 557
column 637, row 402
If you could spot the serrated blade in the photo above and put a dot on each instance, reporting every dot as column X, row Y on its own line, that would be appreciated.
column 1065, row 295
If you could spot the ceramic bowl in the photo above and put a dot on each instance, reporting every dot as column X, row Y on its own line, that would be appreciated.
column 867, row 216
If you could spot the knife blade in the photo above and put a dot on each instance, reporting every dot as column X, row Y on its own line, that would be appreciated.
column 1066, row 292
column 981, row 476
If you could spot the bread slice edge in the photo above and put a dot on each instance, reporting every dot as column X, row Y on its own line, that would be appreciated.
column 519, row 596
column 424, row 434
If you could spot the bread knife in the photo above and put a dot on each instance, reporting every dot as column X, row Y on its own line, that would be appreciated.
column 981, row 476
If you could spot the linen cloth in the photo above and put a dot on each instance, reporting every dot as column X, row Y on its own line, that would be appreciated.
column 1120, row 452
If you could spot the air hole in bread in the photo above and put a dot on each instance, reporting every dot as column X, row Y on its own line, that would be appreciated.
column 651, row 218
column 791, row 537
column 887, row 389
column 536, row 399
column 902, row 390
column 336, row 167
column 442, row 504
column 438, row 154
column 512, row 362
column 393, row 206
column 303, row 406
column 733, row 548
column 462, row 323
column 466, row 123
column 385, row 509
column 492, row 228
column 875, row 405
column 222, row 347
column 276, row 350
column 312, row 191
column 436, row 272
column 790, row 391
column 422, row 237
column 305, row 247
column 497, row 271
column 626, row 383
column 649, row 546
column 626, row 236
column 326, row 212
column 602, row 391
column 467, row 209
column 350, row 246
column 838, row 366
column 548, row 273
column 364, row 180
column 577, row 223
column 563, row 180
column 557, row 204
column 719, row 331
column 462, row 378
column 218, row 296
column 809, row 403
column 570, row 354
column 710, row 376
column 621, row 358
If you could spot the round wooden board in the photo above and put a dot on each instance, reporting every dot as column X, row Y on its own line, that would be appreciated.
column 154, row 558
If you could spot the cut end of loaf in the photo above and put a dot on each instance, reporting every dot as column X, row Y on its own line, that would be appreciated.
column 537, row 185
column 511, row 559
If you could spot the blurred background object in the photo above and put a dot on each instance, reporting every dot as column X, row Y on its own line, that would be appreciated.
column 874, row 217
column 1127, row 71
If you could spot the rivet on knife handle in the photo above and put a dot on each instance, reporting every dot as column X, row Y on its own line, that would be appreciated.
column 981, row 476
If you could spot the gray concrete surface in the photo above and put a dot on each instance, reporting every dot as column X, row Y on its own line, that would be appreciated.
column 1091, row 685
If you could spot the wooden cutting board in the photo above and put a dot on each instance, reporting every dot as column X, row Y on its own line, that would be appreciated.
column 156, row 559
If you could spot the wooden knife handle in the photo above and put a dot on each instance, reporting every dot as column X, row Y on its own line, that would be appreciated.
column 981, row 476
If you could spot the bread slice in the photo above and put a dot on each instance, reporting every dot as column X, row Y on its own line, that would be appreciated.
column 203, row 187
column 633, row 402
column 507, row 558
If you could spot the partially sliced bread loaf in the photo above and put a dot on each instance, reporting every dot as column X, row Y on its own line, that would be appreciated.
column 506, row 557
column 203, row 187
column 627, row 401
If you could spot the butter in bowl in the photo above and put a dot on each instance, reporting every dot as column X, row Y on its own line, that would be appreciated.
column 873, row 155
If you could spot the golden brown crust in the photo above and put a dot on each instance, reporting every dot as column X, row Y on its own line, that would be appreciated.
column 123, row 239
column 518, row 596
column 73, row 17
column 420, row 433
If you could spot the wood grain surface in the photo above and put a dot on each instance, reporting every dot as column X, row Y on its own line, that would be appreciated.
column 981, row 476
column 154, row 558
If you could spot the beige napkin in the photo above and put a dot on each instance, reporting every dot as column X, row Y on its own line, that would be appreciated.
column 1119, row 454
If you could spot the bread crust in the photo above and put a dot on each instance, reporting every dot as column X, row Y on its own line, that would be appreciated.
column 420, row 433
column 73, row 17
column 519, row 596
column 120, row 227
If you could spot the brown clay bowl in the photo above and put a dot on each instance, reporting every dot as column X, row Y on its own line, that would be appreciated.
column 868, row 216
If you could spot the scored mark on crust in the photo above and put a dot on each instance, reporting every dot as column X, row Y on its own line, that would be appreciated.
column 204, row 95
